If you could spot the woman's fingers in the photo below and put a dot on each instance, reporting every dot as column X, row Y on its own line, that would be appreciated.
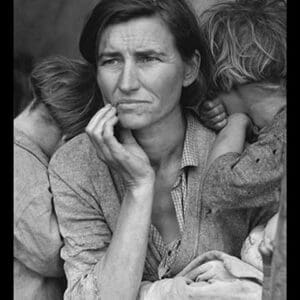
column 96, row 127
column 99, row 115
column 116, row 149
column 196, row 262
column 205, row 276
column 126, row 156
column 193, row 274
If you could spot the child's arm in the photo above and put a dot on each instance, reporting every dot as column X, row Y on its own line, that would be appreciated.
column 232, row 137
column 249, row 179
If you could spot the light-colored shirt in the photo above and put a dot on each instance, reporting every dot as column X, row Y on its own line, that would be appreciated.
column 166, row 254
column 38, row 268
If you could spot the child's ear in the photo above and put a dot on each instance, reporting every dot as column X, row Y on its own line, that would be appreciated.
column 192, row 69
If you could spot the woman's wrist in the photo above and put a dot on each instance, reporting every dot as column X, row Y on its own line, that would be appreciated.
column 144, row 182
column 141, row 190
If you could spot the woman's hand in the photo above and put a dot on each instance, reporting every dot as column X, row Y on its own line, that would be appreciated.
column 213, row 270
column 126, row 156
column 209, row 270
column 213, row 115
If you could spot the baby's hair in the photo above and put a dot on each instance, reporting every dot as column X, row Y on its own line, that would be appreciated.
column 247, row 39
column 69, row 91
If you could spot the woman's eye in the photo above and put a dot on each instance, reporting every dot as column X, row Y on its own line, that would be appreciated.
column 112, row 61
column 146, row 59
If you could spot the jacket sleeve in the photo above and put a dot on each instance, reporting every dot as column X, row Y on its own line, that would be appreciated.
column 85, row 233
column 37, row 241
column 250, row 179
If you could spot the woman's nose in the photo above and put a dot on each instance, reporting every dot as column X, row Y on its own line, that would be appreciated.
column 128, row 80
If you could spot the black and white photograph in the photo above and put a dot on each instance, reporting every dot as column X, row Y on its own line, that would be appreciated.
column 149, row 150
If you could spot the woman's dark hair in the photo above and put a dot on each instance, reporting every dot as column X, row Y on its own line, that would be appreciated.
column 69, row 91
column 176, row 14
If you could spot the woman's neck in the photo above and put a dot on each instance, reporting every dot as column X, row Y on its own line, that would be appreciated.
column 46, row 136
column 163, row 141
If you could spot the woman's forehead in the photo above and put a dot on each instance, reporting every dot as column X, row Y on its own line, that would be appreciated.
column 137, row 34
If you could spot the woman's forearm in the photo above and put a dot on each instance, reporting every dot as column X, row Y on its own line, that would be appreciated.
column 120, row 273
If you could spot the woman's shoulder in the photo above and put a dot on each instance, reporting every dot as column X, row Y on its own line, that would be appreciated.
column 77, row 157
column 199, row 133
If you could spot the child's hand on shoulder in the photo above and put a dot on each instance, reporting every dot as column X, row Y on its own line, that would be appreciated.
column 213, row 114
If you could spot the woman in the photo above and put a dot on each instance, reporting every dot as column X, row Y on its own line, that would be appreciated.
column 128, row 199
column 63, row 103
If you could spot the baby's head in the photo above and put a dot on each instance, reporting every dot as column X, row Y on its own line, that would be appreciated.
column 260, row 238
column 250, row 249
column 247, row 40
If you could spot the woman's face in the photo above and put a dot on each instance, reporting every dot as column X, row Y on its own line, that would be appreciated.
column 140, row 71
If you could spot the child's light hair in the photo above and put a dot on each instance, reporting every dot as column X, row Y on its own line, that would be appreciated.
column 247, row 40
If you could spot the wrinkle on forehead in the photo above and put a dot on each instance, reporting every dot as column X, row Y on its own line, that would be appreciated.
column 135, row 35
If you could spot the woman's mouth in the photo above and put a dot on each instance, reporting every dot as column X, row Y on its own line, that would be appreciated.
column 131, row 102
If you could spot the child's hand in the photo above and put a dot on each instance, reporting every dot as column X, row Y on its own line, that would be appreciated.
column 213, row 115
column 213, row 270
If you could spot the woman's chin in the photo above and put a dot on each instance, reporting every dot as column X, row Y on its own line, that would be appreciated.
column 132, row 122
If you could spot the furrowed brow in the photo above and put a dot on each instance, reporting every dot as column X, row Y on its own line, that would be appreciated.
column 108, row 54
column 113, row 54
column 149, row 53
